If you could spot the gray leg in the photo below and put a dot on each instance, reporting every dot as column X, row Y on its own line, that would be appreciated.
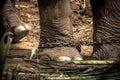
column 106, row 18
column 55, row 30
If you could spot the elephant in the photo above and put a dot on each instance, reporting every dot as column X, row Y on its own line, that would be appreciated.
column 9, row 20
column 56, row 40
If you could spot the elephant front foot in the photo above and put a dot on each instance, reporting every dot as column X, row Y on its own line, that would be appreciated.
column 59, row 54
column 56, row 31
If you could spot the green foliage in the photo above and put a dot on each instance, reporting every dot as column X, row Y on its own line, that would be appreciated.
column 4, row 49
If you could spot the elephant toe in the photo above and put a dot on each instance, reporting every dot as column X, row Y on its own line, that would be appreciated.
column 20, row 31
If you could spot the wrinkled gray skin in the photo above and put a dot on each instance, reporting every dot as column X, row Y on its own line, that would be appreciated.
column 106, row 20
column 55, row 24
column 56, row 28
column 9, row 20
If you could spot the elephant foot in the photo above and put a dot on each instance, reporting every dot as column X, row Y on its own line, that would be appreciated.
column 107, row 52
column 13, row 23
column 17, row 27
column 56, row 31
column 9, row 20
column 59, row 54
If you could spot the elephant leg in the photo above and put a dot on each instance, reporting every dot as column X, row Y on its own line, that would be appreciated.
column 106, row 21
column 55, row 34
column 9, row 20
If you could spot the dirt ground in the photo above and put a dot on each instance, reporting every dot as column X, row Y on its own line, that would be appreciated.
column 81, row 20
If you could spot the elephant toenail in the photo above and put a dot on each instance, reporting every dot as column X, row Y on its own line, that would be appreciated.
column 78, row 58
column 64, row 58
column 19, row 29
column 20, row 32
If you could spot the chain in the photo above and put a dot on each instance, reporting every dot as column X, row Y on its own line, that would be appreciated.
column 59, row 43
column 106, row 41
column 77, row 44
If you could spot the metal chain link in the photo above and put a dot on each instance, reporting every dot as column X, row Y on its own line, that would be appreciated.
column 73, row 43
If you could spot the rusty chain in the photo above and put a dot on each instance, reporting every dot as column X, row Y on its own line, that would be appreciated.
column 74, row 43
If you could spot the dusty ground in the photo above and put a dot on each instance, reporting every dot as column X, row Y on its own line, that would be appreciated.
column 81, row 20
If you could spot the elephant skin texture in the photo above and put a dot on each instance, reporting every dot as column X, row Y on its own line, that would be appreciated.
column 106, row 21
